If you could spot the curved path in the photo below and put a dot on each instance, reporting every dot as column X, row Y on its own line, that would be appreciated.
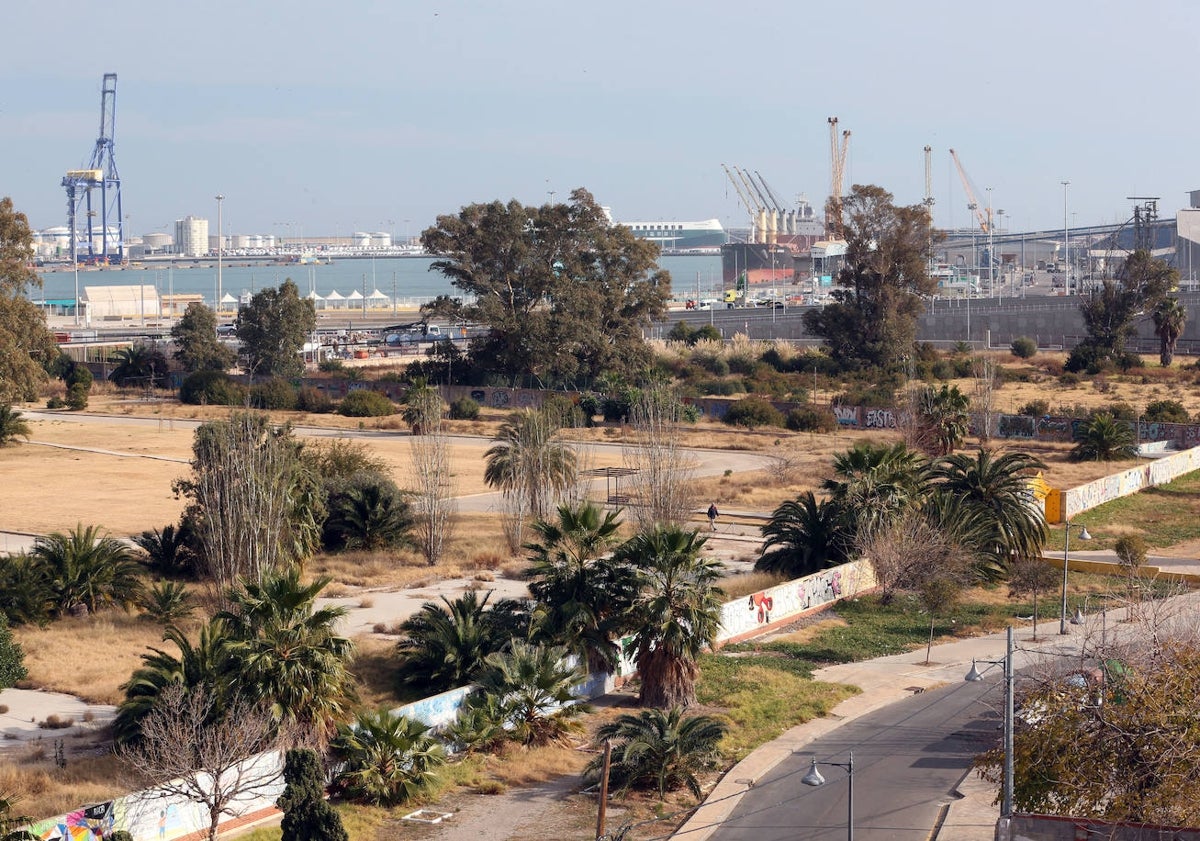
column 707, row 462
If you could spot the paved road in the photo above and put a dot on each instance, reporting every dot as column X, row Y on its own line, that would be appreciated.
column 908, row 757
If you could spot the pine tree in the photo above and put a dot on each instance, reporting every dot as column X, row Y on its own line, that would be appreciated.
column 306, row 815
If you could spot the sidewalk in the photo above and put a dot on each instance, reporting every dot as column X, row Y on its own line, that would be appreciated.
column 972, row 817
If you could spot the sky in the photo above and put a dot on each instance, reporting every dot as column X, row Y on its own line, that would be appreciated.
column 317, row 118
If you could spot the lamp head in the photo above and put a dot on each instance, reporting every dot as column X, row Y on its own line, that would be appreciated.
column 813, row 777
column 1083, row 534
column 974, row 674
column 1078, row 618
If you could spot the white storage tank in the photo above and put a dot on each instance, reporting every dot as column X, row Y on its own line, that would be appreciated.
column 381, row 239
column 362, row 239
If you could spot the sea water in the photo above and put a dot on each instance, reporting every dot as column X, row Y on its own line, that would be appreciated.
column 409, row 281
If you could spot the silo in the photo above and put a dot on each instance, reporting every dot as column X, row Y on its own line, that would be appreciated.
column 361, row 239
column 381, row 239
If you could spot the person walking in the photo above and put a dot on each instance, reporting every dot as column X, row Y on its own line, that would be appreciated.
column 712, row 516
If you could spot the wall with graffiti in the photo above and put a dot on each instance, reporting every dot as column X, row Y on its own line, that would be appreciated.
column 1126, row 482
column 155, row 815
column 744, row 617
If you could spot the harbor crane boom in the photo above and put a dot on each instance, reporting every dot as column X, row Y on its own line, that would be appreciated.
column 982, row 215
column 768, row 216
column 837, row 168
column 750, row 206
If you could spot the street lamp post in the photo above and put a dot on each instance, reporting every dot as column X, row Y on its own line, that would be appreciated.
column 814, row 778
column 1006, row 790
column 1066, row 238
column 220, row 251
column 1083, row 535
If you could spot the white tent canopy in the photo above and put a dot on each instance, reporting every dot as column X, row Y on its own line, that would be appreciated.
column 335, row 298
column 228, row 299
column 377, row 296
column 354, row 296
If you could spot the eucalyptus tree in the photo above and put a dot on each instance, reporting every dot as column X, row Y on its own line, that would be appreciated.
column 562, row 292
column 197, row 347
column 27, row 346
column 273, row 328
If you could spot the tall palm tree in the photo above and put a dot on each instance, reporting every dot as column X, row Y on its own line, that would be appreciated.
column 527, row 457
column 386, row 759
column 943, row 418
column 140, row 365
column 998, row 488
column 12, row 425
column 582, row 594
column 535, row 685
column 1170, row 317
column 659, row 750
column 202, row 663
column 288, row 653
column 445, row 647
column 1103, row 438
column 873, row 484
column 87, row 571
column 676, row 615
column 803, row 536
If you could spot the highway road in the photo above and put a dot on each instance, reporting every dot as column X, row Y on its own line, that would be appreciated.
column 908, row 757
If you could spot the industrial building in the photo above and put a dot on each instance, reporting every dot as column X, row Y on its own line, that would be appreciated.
column 191, row 236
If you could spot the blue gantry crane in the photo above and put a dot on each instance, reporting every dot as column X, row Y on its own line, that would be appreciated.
column 107, row 243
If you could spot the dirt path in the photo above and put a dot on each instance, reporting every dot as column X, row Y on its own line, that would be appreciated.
column 527, row 814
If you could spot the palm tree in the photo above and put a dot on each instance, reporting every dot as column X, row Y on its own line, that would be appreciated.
column 873, row 484
column 659, row 750
column 287, row 652
column 423, row 407
column 1170, row 317
column 676, row 615
column 199, row 664
column 943, row 419
column 999, row 489
column 12, row 425
column 140, row 365
column 386, row 759
column 170, row 550
column 535, row 685
column 527, row 458
column 1103, row 438
column 444, row 648
column 803, row 536
column 12, row 823
column 87, row 571
column 373, row 515
column 582, row 594
column 25, row 596
column 167, row 602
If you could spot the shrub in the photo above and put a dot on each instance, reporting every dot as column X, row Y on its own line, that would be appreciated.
column 707, row 333
column 1035, row 409
column 752, row 412
column 811, row 419
column 718, row 387
column 1120, row 411
column 464, row 408
column 1166, row 411
column 365, row 403
column 275, row 393
column 12, row 657
column 1070, row 378
column 55, row 403
column 717, row 365
column 314, row 400
column 77, row 397
column 681, row 332
column 331, row 366
column 1024, row 347
column 212, row 388
column 562, row 411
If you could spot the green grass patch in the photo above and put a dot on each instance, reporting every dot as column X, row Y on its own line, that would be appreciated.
column 1165, row 515
column 762, row 697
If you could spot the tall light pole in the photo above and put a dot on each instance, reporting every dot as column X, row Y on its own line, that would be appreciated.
column 1066, row 238
column 1006, row 786
column 814, row 778
column 1083, row 535
column 991, row 247
column 220, row 251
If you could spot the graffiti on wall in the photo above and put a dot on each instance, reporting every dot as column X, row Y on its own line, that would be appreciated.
column 881, row 419
column 846, row 415
column 763, row 603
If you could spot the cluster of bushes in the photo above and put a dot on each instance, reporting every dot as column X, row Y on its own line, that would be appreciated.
column 1157, row 411
column 217, row 388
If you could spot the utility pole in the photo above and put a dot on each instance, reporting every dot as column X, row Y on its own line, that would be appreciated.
column 220, row 252
column 1066, row 238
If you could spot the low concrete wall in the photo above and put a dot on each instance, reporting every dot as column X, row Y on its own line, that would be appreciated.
column 1116, row 485
column 1055, row 828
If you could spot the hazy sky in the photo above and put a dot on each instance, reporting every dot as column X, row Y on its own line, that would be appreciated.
column 364, row 115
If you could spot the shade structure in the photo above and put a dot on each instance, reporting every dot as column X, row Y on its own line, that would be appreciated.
column 335, row 299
